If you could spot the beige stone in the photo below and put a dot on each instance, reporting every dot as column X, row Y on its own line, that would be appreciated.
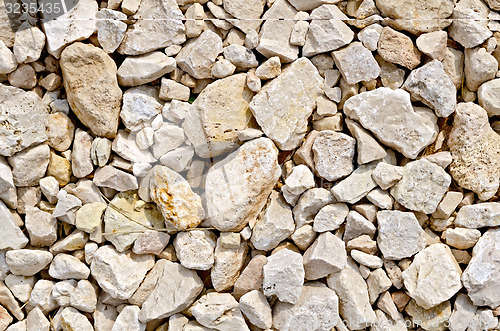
column 396, row 47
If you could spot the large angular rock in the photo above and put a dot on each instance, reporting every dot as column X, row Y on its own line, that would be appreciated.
column 176, row 289
column 479, row 215
column 283, row 105
column 399, row 234
column 198, row 56
column 488, row 96
column 398, row 48
column 110, row 29
column 230, row 255
column 140, row 104
column 327, row 31
column 481, row 278
column 29, row 165
column 92, row 88
column 237, row 187
column 78, row 23
column 218, row 113
column 470, row 23
column 433, row 277
column 275, row 33
column 409, row 131
column 142, row 69
column 179, row 205
column 475, row 149
column 422, row 187
column 316, row 309
column 159, row 25
column 219, row 311
column 356, row 63
column 333, row 154
column 430, row 15
column 247, row 13
column 24, row 120
column 432, row 85
column 284, row 276
column 195, row 249
column 325, row 256
column 119, row 274
column 356, row 186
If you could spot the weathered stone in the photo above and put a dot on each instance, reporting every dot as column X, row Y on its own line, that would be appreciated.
column 251, row 277
column 300, row 179
column 475, row 148
column 283, row 105
column 41, row 296
column 29, row 165
column 356, row 63
column 128, row 320
column 91, row 85
column 325, row 256
column 179, row 205
column 140, row 104
column 357, row 225
column 480, row 67
column 269, row 69
column 229, row 255
column 317, row 308
column 36, row 320
column 109, row 176
column 13, row 237
column 195, row 249
column 461, row 238
column 479, row 215
column 66, row 207
column 333, row 154
column 110, row 29
column 28, row 44
column 378, row 282
column 198, row 55
column 422, row 187
column 327, row 31
column 431, row 85
column 330, row 217
column 81, row 161
column 398, row 48
column 142, row 69
column 470, row 24
column 78, row 23
column 365, row 259
column 8, row 59
column 177, row 282
column 284, row 276
column 60, row 131
column 433, row 277
column 310, row 203
column 414, row 129
column 275, row 33
column 159, row 24
column 84, row 296
column 488, row 97
column 88, row 217
column 433, row 319
column 433, row 44
column 119, row 274
column 256, row 308
column 65, row 266
column 254, row 169
column 23, row 120
column 368, row 149
column 216, row 116
column 274, row 225
column 356, row 186
column 431, row 15
column 399, row 234
column 171, row 90
column 73, row 320
column 41, row 226
column 27, row 262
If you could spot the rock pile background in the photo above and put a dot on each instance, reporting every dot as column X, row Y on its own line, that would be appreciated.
column 246, row 165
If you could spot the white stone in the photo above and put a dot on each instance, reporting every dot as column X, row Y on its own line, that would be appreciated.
column 240, row 56
column 62, row 291
column 140, row 104
column 371, row 261
column 479, row 215
column 37, row 321
column 9, row 301
column 488, row 97
column 128, row 320
column 229, row 255
column 219, row 311
column 84, row 297
column 327, row 31
column 109, row 176
column 255, row 307
column 142, row 69
column 7, row 59
column 179, row 159
column 66, row 207
column 222, row 69
column 367, row 147
column 41, row 226
column 369, row 36
column 73, row 320
column 284, row 276
column 333, row 154
column 104, row 317
column 27, row 262
column 356, row 186
column 377, row 282
column 330, row 217
column 274, row 225
column 372, row 108
column 283, row 106
column 422, row 187
column 461, row 238
column 198, row 55
column 159, row 24
column 119, row 274
column 195, row 249
column 479, row 67
column 431, row 85
column 356, row 63
column 316, row 309
column 299, row 33
column 309, row 205
column 28, row 44
column 357, row 225
column 29, row 166
column 304, row 236
column 78, row 23
column 75, row 240
column 100, row 151
column 433, row 44
column 168, row 137
column 151, row 242
column 12, row 236
column 480, row 278
column 110, row 28
column 65, row 266
column 177, row 282
column 300, row 179
column 470, row 24
column 325, row 256
column 433, row 277
column 41, row 296
column 21, row 286
column 171, row 90
column 254, row 169
column 81, row 160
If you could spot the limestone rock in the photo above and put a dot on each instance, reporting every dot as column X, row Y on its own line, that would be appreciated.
column 92, row 87
column 317, row 308
column 119, row 274
column 28, row 44
column 229, row 255
column 368, row 148
column 461, row 238
column 327, row 31
column 217, row 114
column 78, row 23
column 81, row 161
column 480, row 66
column 488, row 97
column 479, row 215
column 151, row 242
column 330, row 217
column 333, row 154
column 65, row 266
column 356, row 63
column 309, row 205
column 284, row 276
column 110, row 29
column 142, row 69
column 254, row 169
column 88, row 217
column 8, row 59
column 84, row 296
column 109, row 176
column 431, row 85
column 240, row 56
column 470, row 24
column 398, row 48
column 481, row 277
column 325, row 256
column 365, row 259
column 195, row 249
column 73, row 320
column 171, row 90
column 23, row 120
column 176, row 289
column 283, row 106
column 269, row 69
column 274, row 225
column 422, row 187
column 219, row 311
column 27, row 262
column 356, row 186
column 399, row 234
column 433, row 277
column 372, row 108
column 60, row 131
column 433, row 319
column 475, row 148
column 245, row 10
column 128, row 320
column 140, row 104
column 29, row 165
column 179, row 205
column 41, row 226
column 159, row 24
column 198, row 55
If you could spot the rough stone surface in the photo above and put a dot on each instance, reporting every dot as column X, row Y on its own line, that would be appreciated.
column 284, row 276
column 398, row 48
column 198, row 56
column 333, row 154
column 356, row 63
column 325, row 256
column 488, row 97
column 479, row 215
column 469, row 26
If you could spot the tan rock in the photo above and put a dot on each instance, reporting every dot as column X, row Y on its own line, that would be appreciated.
column 396, row 47
column 230, row 254
column 60, row 131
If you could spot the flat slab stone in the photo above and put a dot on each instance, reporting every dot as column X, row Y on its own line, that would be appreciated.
column 283, row 105
column 479, row 215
